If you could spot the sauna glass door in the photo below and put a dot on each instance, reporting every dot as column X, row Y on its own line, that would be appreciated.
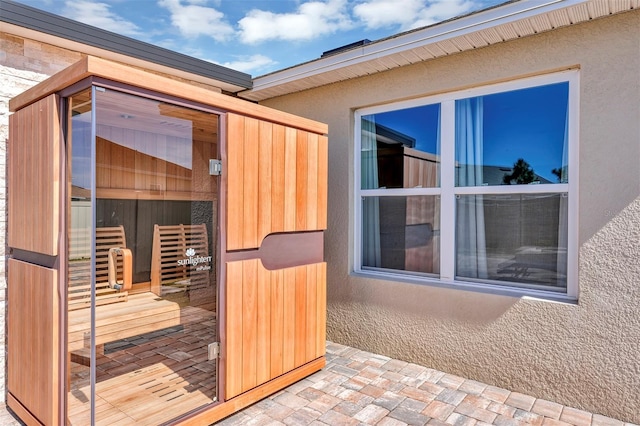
column 143, row 240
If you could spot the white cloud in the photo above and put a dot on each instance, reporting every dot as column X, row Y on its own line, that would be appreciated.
column 194, row 20
column 98, row 15
column 250, row 64
column 311, row 20
column 385, row 13
column 441, row 10
column 408, row 14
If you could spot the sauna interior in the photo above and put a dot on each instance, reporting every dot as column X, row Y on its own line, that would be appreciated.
column 166, row 250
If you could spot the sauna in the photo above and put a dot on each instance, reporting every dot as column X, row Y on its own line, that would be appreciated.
column 166, row 246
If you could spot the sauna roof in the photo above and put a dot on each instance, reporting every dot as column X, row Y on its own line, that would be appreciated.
column 103, row 71
column 36, row 24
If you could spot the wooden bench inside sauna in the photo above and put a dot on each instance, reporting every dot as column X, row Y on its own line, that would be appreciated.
column 180, row 264
column 113, row 269
column 119, row 314
column 180, row 260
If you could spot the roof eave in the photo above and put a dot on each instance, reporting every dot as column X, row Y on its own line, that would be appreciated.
column 352, row 63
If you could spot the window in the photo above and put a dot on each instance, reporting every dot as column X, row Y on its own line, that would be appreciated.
column 474, row 188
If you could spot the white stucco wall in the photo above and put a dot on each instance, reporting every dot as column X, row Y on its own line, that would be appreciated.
column 585, row 355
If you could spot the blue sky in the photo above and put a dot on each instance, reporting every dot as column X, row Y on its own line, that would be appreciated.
column 254, row 36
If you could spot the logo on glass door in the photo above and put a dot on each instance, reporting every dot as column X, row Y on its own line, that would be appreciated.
column 194, row 260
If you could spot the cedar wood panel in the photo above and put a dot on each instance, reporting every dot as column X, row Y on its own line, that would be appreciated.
column 33, row 339
column 33, row 177
column 276, row 321
column 276, row 181
column 123, row 168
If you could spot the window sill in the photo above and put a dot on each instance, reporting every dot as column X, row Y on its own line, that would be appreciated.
column 509, row 291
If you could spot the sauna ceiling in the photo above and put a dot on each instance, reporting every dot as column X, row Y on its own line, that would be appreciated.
column 141, row 115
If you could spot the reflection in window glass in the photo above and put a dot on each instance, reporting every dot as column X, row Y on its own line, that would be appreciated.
column 401, row 149
column 514, row 238
column 402, row 233
column 513, row 138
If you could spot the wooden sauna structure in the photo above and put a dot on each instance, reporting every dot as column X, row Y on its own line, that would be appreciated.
column 166, row 249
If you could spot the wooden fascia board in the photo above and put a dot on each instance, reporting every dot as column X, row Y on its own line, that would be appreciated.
column 93, row 66
column 68, row 76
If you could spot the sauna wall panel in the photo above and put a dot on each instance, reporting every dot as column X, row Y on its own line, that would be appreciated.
column 33, row 175
column 124, row 164
column 275, row 321
column 33, row 339
column 276, row 181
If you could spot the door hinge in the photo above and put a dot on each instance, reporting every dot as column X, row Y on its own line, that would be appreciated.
column 214, row 351
column 215, row 167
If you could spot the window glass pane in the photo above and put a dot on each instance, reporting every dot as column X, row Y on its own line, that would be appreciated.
column 401, row 233
column 511, row 138
column 515, row 238
column 153, row 186
column 150, row 294
column 401, row 149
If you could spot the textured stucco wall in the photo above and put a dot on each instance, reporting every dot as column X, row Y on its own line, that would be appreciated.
column 585, row 355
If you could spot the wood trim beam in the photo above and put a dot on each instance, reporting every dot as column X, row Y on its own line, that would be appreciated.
column 24, row 414
column 70, row 75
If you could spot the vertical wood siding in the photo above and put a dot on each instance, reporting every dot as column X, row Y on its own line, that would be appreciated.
column 33, row 175
column 275, row 181
column 33, row 339
column 276, row 321
column 122, row 167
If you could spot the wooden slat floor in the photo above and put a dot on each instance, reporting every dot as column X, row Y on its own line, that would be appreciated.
column 152, row 378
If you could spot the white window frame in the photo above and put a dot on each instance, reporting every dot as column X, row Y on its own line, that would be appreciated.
column 448, row 191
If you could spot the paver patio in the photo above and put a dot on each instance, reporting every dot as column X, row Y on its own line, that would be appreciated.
column 361, row 388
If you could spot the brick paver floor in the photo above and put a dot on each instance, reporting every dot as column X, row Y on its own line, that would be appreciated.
column 361, row 388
